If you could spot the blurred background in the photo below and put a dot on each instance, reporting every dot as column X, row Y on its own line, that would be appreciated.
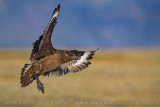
column 126, row 69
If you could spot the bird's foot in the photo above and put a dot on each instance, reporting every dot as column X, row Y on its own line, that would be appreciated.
column 40, row 86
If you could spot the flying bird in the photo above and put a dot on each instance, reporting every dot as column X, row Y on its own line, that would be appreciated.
column 45, row 59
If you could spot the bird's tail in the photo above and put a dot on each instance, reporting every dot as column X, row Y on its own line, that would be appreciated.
column 26, row 76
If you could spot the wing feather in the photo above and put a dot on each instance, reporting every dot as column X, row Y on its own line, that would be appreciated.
column 73, row 65
column 43, row 46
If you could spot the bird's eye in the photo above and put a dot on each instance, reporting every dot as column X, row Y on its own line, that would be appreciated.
column 71, row 54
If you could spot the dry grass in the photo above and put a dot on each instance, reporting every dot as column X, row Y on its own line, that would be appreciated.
column 114, row 76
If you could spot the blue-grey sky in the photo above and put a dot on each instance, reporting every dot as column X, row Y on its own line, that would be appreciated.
column 81, row 23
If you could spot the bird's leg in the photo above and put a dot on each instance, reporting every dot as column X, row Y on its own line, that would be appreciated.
column 39, row 84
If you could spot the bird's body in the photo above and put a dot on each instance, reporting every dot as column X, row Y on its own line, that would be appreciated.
column 45, row 59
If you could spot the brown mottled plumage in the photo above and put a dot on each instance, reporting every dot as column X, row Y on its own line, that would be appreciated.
column 45, row 59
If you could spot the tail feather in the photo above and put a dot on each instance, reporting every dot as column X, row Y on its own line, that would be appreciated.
column 26, row 79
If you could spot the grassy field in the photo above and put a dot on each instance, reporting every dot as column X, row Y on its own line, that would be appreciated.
column 115, row 78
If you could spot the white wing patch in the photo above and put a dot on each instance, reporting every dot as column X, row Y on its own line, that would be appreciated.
column 83, row 59
column 25, row 69
column 55, row 15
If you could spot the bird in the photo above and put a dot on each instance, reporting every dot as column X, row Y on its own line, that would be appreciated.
column 46, row 60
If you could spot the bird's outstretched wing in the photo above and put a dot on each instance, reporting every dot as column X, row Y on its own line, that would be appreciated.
column 74, row 65
column 43, row 46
